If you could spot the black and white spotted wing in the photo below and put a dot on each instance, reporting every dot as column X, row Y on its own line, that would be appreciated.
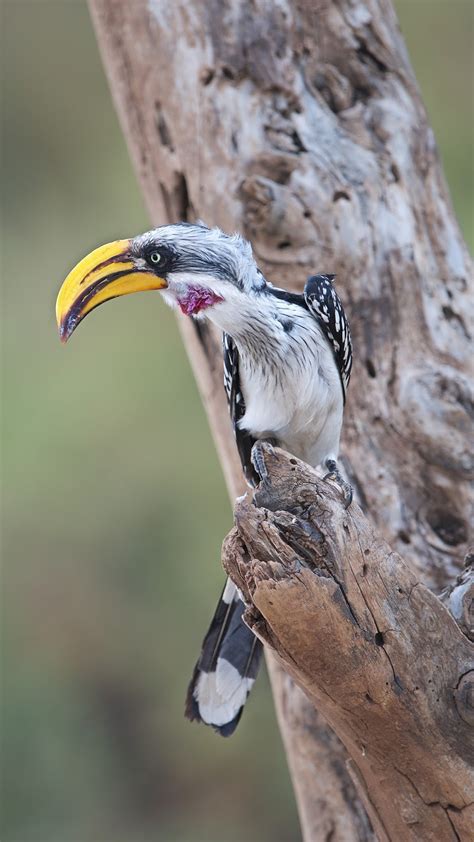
column 323, row 301
column 245, row 441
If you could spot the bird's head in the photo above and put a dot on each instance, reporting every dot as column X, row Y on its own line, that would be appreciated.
column 195, row 267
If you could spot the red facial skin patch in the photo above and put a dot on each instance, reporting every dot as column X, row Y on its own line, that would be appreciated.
column 197, row 298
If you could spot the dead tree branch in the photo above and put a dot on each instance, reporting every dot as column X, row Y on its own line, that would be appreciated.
column 301, row 125
column 376, row 652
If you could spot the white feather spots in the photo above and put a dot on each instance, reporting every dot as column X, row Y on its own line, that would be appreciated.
column 222, row 693
column 323, row 300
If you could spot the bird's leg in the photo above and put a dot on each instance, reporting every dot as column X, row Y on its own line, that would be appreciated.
column 258, row 459
column 335, row 474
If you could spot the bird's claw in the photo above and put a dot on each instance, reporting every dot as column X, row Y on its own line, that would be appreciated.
column 335, row 475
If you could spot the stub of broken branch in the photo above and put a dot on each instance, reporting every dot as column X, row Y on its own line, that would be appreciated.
column 375, row 651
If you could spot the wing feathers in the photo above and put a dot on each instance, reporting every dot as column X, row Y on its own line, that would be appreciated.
column 324, row 303
column 244, row 440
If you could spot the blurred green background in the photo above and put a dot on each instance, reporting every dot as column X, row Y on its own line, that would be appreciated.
column 111, row 560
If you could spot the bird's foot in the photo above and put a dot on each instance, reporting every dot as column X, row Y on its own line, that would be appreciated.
column 258, row 457
column 335, row 474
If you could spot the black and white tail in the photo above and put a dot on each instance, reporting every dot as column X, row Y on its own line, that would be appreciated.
column 225, row 673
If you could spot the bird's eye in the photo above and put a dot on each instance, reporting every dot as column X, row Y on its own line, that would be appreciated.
column 155, row 257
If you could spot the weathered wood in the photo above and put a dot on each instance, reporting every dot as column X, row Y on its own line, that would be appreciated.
column 375, row 650
column 330, row 802
column 459, row 598
column 300, row 124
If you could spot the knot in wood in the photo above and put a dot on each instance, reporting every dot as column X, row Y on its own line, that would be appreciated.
column 464, row 698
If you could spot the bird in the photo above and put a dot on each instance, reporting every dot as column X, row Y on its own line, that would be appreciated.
column 287, row 361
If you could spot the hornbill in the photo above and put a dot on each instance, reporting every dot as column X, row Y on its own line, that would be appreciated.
column 287, row 364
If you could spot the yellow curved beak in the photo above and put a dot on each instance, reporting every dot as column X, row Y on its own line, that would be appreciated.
column 105, row 273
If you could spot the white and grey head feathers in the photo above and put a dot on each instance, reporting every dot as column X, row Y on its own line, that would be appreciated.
column 195, row 249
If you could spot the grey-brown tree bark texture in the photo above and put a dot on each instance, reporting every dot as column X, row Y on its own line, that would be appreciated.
column 300, row 123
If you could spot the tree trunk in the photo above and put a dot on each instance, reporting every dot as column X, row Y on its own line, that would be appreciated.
column 300, row 124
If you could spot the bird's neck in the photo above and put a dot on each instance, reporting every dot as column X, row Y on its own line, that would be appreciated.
column 255, row 321
column 259, row 323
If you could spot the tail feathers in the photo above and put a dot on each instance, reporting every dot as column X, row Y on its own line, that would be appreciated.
column 226, row 671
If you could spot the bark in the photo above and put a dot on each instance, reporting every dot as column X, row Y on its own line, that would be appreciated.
column 300, row 124
column 375, row 650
